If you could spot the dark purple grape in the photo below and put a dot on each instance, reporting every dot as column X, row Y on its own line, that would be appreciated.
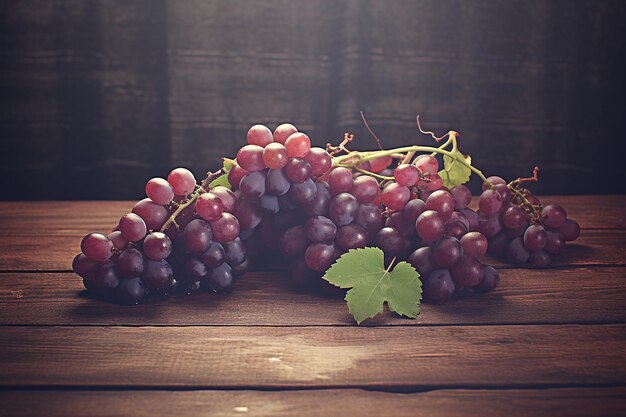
column 319, row 160
column 276, row 182
column 505, row 193
column 132, row 227
column 516, row 252
column 343, row 209
column 340, row 181
column 248, row 214
column 555, row 243
column 235, row 252
column 294, row 242
column 268, row 204
column 194, row 270
column 439, row 286
column 553, row 216
column 390, row 241
column 369, row 217
column 84, row 267
column 442, row 202
column 413, row 209
column 570, row 230
column 514, row 217
column 152, row 214
column 462, row 196
column 490, row 281
column 430, row 226
column 494, row 180
column 474, row 244
column 468, row 273
column 456, row 229
column 490, row 202
column 497, row 245
column 198, row 236
column 226, row 196
column 351, row 236
column 423, row 261
column 157, row 274
column 298, row 170
column 448, row 252
column 490, row 226
column 320, row 229
column 472, row 218
column 364, row 189
column 535, row 237
column 539, row 258
column 221, row 279
column 252, row 186
column 319, row 206
column 130, row 263
column 241, row 268
column 106, row 279
column 214, row 255
column 398, row 221
column 303, row 193
column 320, row 256
column 130, row 291
column 158, row 246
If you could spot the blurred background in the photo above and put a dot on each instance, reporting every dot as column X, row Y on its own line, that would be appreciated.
column 98, row 96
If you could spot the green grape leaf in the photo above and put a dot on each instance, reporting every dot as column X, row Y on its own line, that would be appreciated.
column 223, row 179
column 454, row 172
column 363, row 270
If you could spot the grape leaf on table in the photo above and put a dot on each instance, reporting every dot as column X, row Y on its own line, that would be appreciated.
column 223, row 179
column 454, row 172
column 372, row 284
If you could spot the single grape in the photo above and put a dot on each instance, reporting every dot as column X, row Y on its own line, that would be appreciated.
column 298, row 170
column 209, row 206
column 378, row 165
column 226, row 228
column 214, row 255
column 298, row 145
column 235, row 252
column 369, row 217
column 432, row 183
column 539, row 258
column 504, row 192
column 343, row 208
column 259, row 135
column 570, row 230
column 340, row 180
column 535, row 237
column 462, row 196
column 319, row 206
column 130, row 263
column 130, row 291
column 468, row 273
column 553, row 216
column 153, row 215
column 106, row 279
column 248, row 214
column 490, row 202
column 427, row 164
column 320, row 229
column 252, row 186
column 182, row 181
column 226, row 196
column 268, row 204
column 294, row 242
column 319, row 160
column 555, row 243
column 474, row 244
column 493, row 180
column 514, row 217
column 250, row 158
column 406, row 175
column 97, row 247
column 429, row 226
column 490, row 281
column 516, row 252
column 439, row 286
column 442, row 202
column 364, row 189
column 390, row 241
column 396, row 196
column 275, row 156
column 160, row 191
column 221, row 279
column 84, row 267
column 283, row 131
column 235, row 175
column 423, row 261
column 320, row 256
column 351, row 236
column 117, row 239
column 472, row 218
column 158, row 246
column 132, row 227
column 276, row 182
column 413, row 209
column 157, row 274
column 448, row 252
column 490, row 226
column 303, row 193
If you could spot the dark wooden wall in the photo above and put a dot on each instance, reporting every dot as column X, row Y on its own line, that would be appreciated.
column 99, row 96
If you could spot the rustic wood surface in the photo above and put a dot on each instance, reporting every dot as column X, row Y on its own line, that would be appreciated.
column 546, row 342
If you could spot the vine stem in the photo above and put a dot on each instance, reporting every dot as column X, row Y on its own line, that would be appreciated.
column 355, row 158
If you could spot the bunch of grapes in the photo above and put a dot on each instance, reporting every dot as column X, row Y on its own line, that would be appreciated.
column 180, row 238
column 519, row 228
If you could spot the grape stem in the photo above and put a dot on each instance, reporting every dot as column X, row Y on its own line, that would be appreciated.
column 354, row 158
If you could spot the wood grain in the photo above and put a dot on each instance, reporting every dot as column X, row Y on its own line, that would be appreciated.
column 570, row 402
column 241, row 357
column 581, row 295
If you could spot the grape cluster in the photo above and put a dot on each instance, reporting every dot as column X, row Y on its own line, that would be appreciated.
column 179, row 238
column 519, row 228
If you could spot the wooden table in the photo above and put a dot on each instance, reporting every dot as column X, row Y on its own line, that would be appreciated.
column 546, row 342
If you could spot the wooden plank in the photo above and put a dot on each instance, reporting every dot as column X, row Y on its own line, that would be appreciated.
column 579, row 295
column 571, row 402
column 55, row 252
column 242, row 357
